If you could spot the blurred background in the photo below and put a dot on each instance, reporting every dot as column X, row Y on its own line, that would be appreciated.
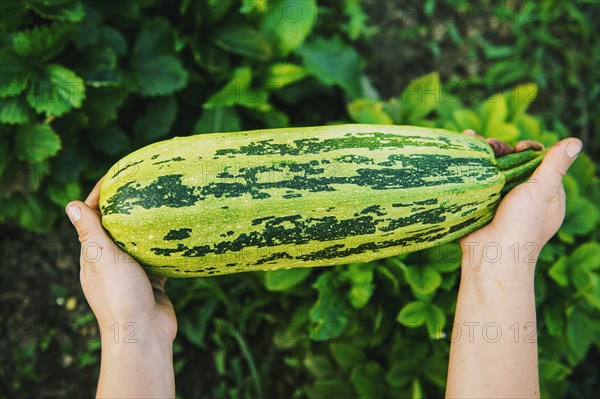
column 83, row 83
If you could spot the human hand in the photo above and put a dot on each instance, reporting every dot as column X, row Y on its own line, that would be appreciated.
column 136, row 318
column 116, row 287
column 531, row 213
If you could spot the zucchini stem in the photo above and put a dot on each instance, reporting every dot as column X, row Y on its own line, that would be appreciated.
column 519, row 168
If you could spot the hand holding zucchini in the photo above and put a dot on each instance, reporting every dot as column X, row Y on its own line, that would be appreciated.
column 296, row 197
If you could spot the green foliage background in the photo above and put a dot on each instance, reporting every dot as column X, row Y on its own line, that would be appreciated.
column 84, row 83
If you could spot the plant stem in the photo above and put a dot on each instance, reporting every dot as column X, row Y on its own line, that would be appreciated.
column 519, row 173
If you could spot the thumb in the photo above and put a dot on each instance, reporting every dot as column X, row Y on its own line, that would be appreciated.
column 87, row 223
column 557, row 161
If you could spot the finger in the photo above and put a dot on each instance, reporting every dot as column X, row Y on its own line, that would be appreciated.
column 524, row 145
column 471, row 132
column 87, row 223
column 500, row 148
column 158, row 287
column 93, row 198
column 557, row 161
column 158, row 282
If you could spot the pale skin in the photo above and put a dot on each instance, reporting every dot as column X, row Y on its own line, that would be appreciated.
column 136, row 318
column 138, row 324
column 493, row 351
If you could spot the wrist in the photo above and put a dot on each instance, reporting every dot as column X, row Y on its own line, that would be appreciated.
column 131, row 336
column 509, row 260
column 503, row 251
column 137, row 367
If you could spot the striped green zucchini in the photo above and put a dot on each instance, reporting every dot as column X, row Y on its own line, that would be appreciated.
column 315, row 196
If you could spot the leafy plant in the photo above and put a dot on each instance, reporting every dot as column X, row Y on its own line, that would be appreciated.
column 84, row 83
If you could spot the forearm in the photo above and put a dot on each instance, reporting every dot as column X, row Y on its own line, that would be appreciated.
column 142, row 369
column 494, row 342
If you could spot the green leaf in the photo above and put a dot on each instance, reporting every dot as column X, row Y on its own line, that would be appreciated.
column 360, row 276
column 467, row 119
column 584, row 263
column 239, row 91
column 159, row 75
column 209, row 12
column 494, row 112
column 586, row 256
column 35, row 215
column 98, row 66
column 288, row 23
column 212, row 59
column 347, row 355
column 401, row 372
column 506, row 132
column 154, row 39
column 554, row 316
column 43, row 42
column 330, row 313
column 273, row 119
column 423, row 279
column 388, row 281
column 414, row 314
column 529, row 127
column 219, row 119
column 437, row 369
column 333, row 62
column 357, row 19
column 156, row 121
column 282, row 74
column 109, row 139
column 583, row 170
column 70, row 10
column 335, row 388
column 14, row 111
column 112, row 38
column 553, row 370
column 368, row 111
column 368, row 380
column 420, row 98
column 581, row 218
column 102, row 104
column 447, row 105
column 281, row 280
column 14, row 76
column 250, row 7
column 449, row 281
column 519, row 98
column 62, row 193
column 498, row 51
column 36, row 142
column 592, row 292
column 87, row 31
column 558, row 271
column 580, row 333
column 244, row 40
column 319, row 366
column 417, row 390
column 57, row 91
column 195, row 329
column 444, row 258
column 155, row 69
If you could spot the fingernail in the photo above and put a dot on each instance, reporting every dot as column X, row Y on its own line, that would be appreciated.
column 74, row 213
column 573, row 149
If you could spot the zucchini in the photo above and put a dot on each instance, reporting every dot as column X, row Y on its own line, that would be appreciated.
column 315, row 196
